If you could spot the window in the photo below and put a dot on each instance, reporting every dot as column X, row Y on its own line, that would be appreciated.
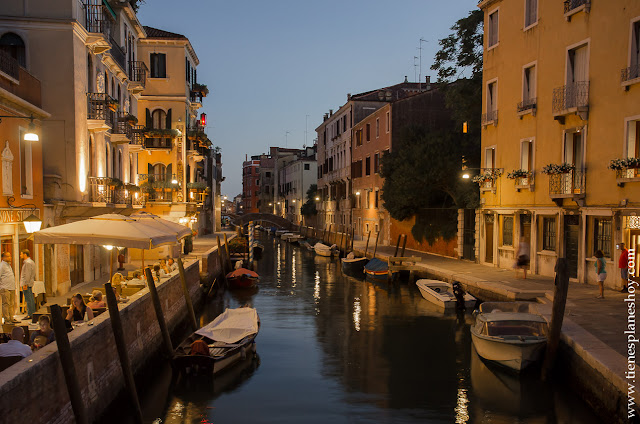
column 634, row 54
column 549, row 234
column 368, row 132
column 306, row 167
column 158, row 65
column 388, row 123
column 376, row 199
column 529, row 85
column 367, row 166
column 376, row 163
column 530, row 12
column 367, row 195
column 577, row 66
column 268, row 174
column 573, row 149
column 633, row 139
column 13, row 45
column 344, row 123
column 602, row 236
column 26, row 168
column 490, row 157
column 507, row 231
column 358, row 138
column 356, row 169
column 377, row 127
column 493, row 29
column 492, row 98
column 526, row 155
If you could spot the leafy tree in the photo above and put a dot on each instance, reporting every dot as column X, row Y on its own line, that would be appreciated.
column 309, row 207
column 422, row 172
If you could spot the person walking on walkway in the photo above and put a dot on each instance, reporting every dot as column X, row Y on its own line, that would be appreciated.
column 600, row 272
column 522, row 257
column 27, row 277
column 7, row 289
column 623, row 264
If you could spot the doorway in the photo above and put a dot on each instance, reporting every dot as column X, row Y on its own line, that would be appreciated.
column 571, row 238
column 488, row 237
column 525, row 228
column 76, row 264
column 469, row 234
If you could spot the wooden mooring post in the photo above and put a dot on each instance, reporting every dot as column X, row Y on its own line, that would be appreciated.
column 366, row 246
column 397, row 245
column 187, row 296
column 68, row 366
column 153, row 291
column 123, row 355
column 560, row 290
column 375, row 249
column 226, row 251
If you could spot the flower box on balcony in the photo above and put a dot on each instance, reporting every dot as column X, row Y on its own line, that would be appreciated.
column 129, row 118
column 554, row 169
column 162, row 133
column 200, row 88
column 198, row 185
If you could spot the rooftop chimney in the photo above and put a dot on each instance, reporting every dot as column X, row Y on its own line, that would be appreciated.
column 326, row 116
column 405, row 79
column 428, row 81
column 348, row 96
column 330, row 112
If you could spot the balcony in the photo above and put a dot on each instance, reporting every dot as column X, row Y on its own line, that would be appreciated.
column 528, row 106
column 137, row 76
column 101, row 111
column 111, row 190
column 489, row 118
column 99, row 24
column 627, row 175
column 571, row 7
column 569, row 185
column 196, row 99
column 18, row 81
column 118, row 55
column 197, row 191
column 630, row 75
column 523, row 183
column 122, row 131
column 158, row 187
column 160, row 138
column 569, row 99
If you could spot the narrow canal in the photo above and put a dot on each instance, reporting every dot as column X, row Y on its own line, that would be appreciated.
column 336, row 349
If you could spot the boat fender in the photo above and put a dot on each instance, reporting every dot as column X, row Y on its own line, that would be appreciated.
column 243, row 353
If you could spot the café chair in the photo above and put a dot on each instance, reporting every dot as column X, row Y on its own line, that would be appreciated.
column 7, row 361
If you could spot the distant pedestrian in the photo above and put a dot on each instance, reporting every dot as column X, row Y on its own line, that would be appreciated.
column 601, row 272
column 27, row 277
column 623, row 264
column 522, row 257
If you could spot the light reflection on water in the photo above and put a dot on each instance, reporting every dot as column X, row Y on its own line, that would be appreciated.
column 341, row 350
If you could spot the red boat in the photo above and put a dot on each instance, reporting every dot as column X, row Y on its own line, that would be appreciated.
column 242, row 278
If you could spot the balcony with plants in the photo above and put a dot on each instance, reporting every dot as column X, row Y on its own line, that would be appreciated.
column 570, row 99
column 571, row 7
column 158, row 187
column 197, row 93
column 197, row 191
column 565, row 181
column 523, row 179
column 160, row 138
column 627, row 170
column 102, row 111
column 99, row 23
column 486, row 179
column 138, row 72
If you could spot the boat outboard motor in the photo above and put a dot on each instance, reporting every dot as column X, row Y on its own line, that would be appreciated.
column 459, row 293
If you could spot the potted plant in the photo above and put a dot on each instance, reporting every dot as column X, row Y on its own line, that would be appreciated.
column 200, row 88
column 487, row 175
column 115, row 183
column 129, row 118
column 112, row 103
column 518, row 173
column 625, row 163
column 554, row 169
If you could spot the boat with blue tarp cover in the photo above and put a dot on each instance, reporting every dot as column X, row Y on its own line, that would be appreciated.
column 377, row 269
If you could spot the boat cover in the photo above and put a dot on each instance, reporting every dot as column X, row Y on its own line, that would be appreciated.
column 242, row 272
column 376, row 265
column 232, row 325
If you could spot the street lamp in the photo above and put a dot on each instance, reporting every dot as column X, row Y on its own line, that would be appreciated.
column 30, row 135
column 32, row 224
column 357, row 193
column 317, row 199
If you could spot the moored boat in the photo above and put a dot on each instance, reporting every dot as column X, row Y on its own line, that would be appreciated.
column 242, row 278
column 279, row 233
column 220, row 344
column 377, row 269
column 508, row 334
column 441, row 293
column 322, row 249
column 353, row 265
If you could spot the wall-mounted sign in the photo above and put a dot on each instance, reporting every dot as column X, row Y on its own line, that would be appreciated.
column 17, row 215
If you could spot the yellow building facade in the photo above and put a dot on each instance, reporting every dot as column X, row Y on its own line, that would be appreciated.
column 561, row 103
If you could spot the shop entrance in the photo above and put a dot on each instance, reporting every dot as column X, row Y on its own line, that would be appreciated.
column 488, row 238
column 76, row 264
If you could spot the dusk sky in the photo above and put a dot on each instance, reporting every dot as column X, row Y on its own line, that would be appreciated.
column 269, row 64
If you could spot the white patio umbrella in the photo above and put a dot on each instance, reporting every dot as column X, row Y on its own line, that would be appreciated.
column 180, row 231
column 107, row 230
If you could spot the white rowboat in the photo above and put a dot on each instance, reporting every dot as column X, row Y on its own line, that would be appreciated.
column 440, row 293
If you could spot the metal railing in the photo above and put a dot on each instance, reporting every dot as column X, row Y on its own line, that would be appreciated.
column 489, row 117
column 101, row 189
column 138, row 72
column 137, row 134
column 570, row 96
column 524, row 181
column 632, row 72
column 9, row 65
column 570, row 183
column 627, row 173
column 122, row 125
column 157, row 143
column 196, row 97
column 101, row 106
column 98, row 20
column 569, row 5
column 528, row 104
column 118, row 54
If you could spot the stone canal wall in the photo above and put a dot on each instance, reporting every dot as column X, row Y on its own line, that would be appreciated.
column 34, row 390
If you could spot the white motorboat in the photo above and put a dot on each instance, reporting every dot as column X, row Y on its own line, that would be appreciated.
column 510, row 334
column 441, row 294
column 295, row 238
column 323, row 250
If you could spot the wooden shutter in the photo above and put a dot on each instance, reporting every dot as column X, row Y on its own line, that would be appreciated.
column 149, row 121
column 168, row 123
column 168, row 173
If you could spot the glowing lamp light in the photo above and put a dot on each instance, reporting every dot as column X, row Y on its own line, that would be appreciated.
column 294, row 200
column 317, row 198
column 464, row 127
column 31, row 135
column 466, row 176
column 32, row 224
column 174, row 181
column 270, row 204
column 203, row 119
column 108, row 246
column 357, row 193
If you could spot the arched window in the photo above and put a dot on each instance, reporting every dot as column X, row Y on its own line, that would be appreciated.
column 113, row 163
column 159, row 170
column 119, row 95
column 159, row 118
column 13, row 45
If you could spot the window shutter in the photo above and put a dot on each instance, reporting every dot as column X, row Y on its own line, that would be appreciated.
column 149, row 121
column 168, row 174
column 168, row 123
column 163, row 66
column 149, row 168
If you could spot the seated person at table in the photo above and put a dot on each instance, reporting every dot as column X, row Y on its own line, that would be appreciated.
column 163, row 266
column 136, row 281
column 45, row 333
column 171, row 264
column 158, row 273
column 96, row 300
column 78, row 309
column 15, row 347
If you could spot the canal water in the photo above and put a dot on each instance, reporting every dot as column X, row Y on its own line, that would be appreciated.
column 334, row 349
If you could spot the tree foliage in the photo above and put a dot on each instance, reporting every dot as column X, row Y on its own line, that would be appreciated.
column 309, row 207
column 422, row 172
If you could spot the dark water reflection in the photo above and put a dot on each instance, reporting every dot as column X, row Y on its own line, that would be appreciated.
column 335, row 349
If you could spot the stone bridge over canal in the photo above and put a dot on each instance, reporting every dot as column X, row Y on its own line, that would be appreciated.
column 263, row 219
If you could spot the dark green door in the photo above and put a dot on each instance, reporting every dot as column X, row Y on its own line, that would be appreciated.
column 571, row 236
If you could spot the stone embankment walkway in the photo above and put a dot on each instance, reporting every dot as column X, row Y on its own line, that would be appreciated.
column 592, row 327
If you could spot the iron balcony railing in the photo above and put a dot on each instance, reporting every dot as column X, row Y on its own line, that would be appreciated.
column 137, row 134
column 574, row 95
column 158, row 181
column 571, row 183
column 102, row 106
column 101, row 189
column 118, row 54
column 630, row 73
column 123, row 125
column 9, row 65
column 138, row 72
column 489, row 117
column 569, row 5
column 98, row 20
column 196, row 97
column 627, row 173
column 523, row 182
column 528, row 104
column 157, row 143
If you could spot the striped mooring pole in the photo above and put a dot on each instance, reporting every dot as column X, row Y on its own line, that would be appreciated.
column 251, row 236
